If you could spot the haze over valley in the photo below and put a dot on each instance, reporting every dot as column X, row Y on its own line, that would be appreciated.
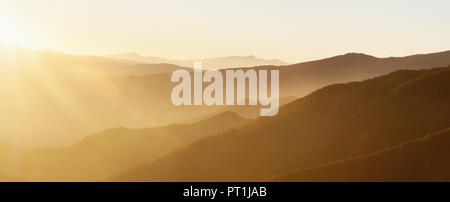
column 93, row 118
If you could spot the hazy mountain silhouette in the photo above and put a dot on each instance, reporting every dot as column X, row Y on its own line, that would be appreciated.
column 422, row 159
column 208, row 63
column 335, row 122
column 303, row 78
column 246, row 111
column 101, row 155
column 77, row 66
column 79, row 95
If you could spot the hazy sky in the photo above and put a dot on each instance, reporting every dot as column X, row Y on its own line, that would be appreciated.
column 291, row 30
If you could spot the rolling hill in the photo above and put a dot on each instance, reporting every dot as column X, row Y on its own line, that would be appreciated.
column 335, row 122
column 422, row 159
column 246, row 111
column 103, row 154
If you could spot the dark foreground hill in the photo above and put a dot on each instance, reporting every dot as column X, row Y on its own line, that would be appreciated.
column 335, row 122
column 422, row 159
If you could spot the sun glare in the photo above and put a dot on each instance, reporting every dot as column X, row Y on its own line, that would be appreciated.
column 10, row 32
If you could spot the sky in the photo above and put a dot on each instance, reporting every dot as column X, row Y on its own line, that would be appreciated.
column 290, row 30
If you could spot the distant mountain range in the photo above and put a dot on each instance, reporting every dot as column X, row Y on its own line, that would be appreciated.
column 76, row 66
column 350, row 114
column 336, row 122
column 81, row 95
column 303, row 78
column 208, row 63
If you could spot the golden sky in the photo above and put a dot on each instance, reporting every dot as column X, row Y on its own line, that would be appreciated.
column 290, row 30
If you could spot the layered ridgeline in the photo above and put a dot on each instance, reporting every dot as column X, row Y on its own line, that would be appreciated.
column 208, row 63
column 101, row 155
column 335, row 122
column 81, row 95
column 75, row 66
column 303, row 78
column 54, row 99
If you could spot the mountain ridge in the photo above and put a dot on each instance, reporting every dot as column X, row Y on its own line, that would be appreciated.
column 360, row 170
column 102, row 154
column 85, row 94
column 338, row 121
column 208, row 63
